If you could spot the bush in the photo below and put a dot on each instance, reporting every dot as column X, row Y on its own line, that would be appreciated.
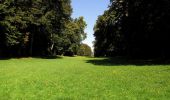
column 84, row 50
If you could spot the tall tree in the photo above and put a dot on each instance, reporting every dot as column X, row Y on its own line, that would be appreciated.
column 39, row 28
column 74, row 35
column 138, row 29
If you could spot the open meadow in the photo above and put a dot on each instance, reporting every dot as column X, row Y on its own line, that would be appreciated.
column 82, row 78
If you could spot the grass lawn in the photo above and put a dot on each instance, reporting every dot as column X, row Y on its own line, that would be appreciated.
column 81, row 78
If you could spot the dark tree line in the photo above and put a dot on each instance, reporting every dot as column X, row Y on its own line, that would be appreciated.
column 134, row 28
column 39, row 28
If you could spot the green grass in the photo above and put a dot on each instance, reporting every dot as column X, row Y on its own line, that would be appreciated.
column 81, row 78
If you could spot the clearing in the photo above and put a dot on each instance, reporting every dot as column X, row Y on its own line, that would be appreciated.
column 81, row 78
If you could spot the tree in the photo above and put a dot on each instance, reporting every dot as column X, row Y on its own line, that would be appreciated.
column 84, row 50
column 39, row 28
column 138, row 29
column 108, row 32
column 73, row 35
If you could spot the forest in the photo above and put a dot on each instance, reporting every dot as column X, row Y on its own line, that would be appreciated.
column 134, row 29
column 39, row 28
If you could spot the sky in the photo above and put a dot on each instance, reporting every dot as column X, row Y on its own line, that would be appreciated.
column 90, row 10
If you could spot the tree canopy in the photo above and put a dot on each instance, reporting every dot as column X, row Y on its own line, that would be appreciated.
column 39, row 28
column 84, row 50
column 134, row 28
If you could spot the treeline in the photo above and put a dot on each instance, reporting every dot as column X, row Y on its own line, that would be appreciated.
column 39, row 28
column 134, row 28
column 85, row 50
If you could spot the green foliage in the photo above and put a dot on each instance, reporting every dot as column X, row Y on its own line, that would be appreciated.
column 137, row 29
column 73, row 78
column 74, row 35
column 108, row 34
column 39, row 28
column 84, row 50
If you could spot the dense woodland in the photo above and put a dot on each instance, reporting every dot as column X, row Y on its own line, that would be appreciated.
column 132, row 28
column 135, row 29
column 39, row 28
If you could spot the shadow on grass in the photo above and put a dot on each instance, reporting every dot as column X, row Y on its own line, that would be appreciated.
column 117, row 61
column 5, row 58
column 38, row 57
column 49, row 57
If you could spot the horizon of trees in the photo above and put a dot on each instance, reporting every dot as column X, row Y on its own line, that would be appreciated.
column 135, row 29
column 39, row 28
column 84, row 50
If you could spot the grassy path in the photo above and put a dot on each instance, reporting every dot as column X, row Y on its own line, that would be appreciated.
column 79, row 79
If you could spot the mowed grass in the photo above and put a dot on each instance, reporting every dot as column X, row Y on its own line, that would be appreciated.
column 81, row 78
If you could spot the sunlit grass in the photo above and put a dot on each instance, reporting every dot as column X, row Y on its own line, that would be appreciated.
column 76, row 78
